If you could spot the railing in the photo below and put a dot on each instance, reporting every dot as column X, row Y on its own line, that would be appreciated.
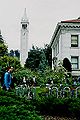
column 77, row 91
column 27, row 92
column 56, row 91
column 64, row 91
column 30, row 92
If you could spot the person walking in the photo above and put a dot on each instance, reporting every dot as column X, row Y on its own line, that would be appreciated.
column 7, row 78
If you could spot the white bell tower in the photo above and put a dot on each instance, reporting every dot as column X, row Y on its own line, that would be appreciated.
column 24, row 39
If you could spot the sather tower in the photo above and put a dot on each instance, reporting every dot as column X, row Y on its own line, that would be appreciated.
column 24, row 38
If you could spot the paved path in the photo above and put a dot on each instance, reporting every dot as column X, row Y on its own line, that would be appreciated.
column 58, row 118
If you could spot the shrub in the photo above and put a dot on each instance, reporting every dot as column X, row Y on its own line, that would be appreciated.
column 16, row 108
column 68, row 107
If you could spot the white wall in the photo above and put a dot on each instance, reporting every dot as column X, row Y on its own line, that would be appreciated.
column 65, row 49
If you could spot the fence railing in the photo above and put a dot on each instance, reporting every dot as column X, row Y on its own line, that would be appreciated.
column 30, row 92
column 25, row 91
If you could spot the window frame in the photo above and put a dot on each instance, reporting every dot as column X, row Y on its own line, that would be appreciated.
column 75, row 63
column 73, row 41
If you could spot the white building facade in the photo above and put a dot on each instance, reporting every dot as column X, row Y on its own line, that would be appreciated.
column 24, row 38
column 65, row 43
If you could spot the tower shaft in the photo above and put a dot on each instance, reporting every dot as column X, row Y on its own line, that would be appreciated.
column 24, row 39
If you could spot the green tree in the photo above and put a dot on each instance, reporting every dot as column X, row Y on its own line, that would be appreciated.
column 9, row 61
column 48, row 54
column 39, row 57
column 1, row 38
column 11, row 53
column 20, row 73
column 17, row 54
column 34, row 58
column 43, row 62
column 3, row 49
column 14, row 53
column 3, row 46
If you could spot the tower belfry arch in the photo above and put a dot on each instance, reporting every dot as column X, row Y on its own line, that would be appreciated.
column 24, row 38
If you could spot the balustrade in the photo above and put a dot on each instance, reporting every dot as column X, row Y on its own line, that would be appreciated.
column 30, row 92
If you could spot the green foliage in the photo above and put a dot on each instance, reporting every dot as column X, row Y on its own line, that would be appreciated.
column 3, row 49
column 6, row 61
column 13, row 107
column 17, row 54
column 68, row 107
column 36, row 59
column 9, row 61
column 17, row 112
column 11, row 53
column 20, row 73
column 14, row 53
column 43, row 62
column 58, row 76
column 48, row 54
column 33, row 58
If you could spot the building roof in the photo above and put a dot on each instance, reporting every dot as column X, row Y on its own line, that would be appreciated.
column 72, row 21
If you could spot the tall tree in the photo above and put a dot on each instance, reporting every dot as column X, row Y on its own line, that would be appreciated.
column 43, row 62
column 1, row 38
column 9, row 61
column 17, row 54
column 11, row 53
column 48, row 54
column 3, row 49
column 3, row 46
column 35, row 58
column 14, row 53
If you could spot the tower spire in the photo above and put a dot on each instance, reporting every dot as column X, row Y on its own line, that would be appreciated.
column 24, row 18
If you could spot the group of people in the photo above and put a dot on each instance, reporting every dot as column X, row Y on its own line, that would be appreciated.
column 7, row 79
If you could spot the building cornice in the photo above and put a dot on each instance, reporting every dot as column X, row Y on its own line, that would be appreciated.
column 64, row 25
column 70, row 25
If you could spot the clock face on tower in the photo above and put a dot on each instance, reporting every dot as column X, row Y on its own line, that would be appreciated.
column 24, row 26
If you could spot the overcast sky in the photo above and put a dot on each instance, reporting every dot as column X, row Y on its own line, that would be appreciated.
column 43, row 16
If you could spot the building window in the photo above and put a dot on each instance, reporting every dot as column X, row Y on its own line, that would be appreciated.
column 54, row 51
column 74, row 40
column 74, row 63
column 58, row 47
